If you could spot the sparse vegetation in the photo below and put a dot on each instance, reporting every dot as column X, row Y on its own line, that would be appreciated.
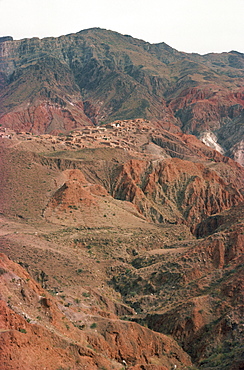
column 85, row 294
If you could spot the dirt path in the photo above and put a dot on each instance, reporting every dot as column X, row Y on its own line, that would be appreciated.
column 167, row 250
column 9, row 226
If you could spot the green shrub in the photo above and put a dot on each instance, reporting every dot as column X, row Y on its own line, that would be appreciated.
column 22, row 330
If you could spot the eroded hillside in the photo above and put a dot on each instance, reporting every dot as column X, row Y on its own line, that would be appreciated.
column 128, row 250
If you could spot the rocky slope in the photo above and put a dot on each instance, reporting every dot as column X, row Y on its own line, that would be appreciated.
column 94, row 76
column 196, row 295
column 35, row 334
column 175, row 190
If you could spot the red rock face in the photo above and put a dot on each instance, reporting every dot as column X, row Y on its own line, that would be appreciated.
column 46, row 118
column 138, row 346
column 203, row 108
column 176, row 190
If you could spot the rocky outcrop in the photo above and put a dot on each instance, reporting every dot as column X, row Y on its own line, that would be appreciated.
column 210, row 139
column 139, row 348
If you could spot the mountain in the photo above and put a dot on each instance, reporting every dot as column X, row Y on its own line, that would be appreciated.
column 97, row 76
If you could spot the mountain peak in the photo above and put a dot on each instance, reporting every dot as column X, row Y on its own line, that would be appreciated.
column 6, row 38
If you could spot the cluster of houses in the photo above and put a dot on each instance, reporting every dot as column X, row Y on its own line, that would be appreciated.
column 119, row 134
column 6, row 133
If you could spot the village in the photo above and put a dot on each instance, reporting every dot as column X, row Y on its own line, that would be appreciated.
column 123, row 134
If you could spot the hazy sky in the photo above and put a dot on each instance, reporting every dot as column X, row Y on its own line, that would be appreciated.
column 200, row 26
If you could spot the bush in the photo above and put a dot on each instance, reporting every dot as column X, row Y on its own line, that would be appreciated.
column 2, row 271
column 22, row 330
